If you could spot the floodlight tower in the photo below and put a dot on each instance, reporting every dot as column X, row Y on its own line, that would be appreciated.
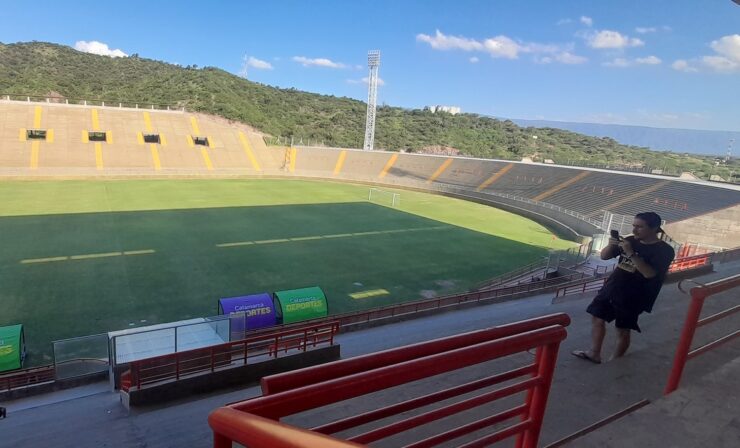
column 373, row 62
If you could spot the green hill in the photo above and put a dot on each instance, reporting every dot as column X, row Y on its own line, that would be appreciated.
column 48, row 69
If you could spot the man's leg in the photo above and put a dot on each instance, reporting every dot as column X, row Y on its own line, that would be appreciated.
column 598, row 331
column 623, row 342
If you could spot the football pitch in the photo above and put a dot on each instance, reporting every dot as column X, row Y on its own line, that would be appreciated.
column 85, row 257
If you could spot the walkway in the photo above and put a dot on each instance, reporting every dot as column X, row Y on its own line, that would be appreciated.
column 582, row 394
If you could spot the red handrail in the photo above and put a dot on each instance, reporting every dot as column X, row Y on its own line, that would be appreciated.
column 271, row 344
column 400, row 366
column 686, row 263
column 281, row 382
column 27, row 377
column 579, row 288
column 683, row 351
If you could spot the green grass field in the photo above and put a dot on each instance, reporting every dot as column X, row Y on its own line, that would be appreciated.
column 86, row 257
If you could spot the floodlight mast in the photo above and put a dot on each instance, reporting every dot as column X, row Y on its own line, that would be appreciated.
column 373, row 62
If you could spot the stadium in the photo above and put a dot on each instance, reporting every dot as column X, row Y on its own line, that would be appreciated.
column 173, row 276
column 163, row 230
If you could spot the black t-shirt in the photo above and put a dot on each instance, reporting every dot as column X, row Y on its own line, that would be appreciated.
column 627, row 288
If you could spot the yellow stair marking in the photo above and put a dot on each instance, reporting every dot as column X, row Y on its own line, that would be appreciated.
column 194, row 125
column 340, row 162
column 494, row 177
column 306, row 238
column 248, row 150
column 109, row 137
column 388, row 166
column 34, row 155
column 85, row 137
column 140, row 138
column 634, row 196
column 162, row 140
column 279, row 240
column 370, row 293
column 37, row 117
column 98, row 155
column 206, row 159
column 88, row 256
column 138, row 252
column 190, row 141
column 240, row 243
column 293, row 157
column 50, row 136
column 43, row 260
column 155, row 156
column 22, row 135
column 440, row 170
column 148, row 122
column 559, row 187
column 95, row 121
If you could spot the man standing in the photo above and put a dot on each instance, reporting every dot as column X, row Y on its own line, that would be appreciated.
column 633, row 286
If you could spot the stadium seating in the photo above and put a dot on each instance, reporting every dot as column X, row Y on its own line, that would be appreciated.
column 195, row 144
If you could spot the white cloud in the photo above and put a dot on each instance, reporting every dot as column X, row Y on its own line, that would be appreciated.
column 502, row 47
column 726, row 57
column 570, row 58
column 623, row 62
column 617, row 62
column 365, row 80
column 253, row 62
column 588, row 21
column 645, row 29
column 441, row 41
column 650, row 60
column 721, row 64
column 612, row 39
column 98, row 48
column 564, row 21
column 683, row 66
column 317, row 62
column 728, row 46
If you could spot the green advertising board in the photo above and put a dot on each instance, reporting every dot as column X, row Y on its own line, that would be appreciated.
column 12, row 348
column 295, row 305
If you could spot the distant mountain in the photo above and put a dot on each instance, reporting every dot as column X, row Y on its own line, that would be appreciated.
column 658, row 139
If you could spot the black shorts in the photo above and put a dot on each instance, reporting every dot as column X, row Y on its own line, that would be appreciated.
column 604, row 309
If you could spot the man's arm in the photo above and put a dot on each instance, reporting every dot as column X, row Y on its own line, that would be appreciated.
column 611, row 250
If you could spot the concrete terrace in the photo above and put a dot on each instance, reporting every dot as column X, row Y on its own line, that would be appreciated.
column 702, row 413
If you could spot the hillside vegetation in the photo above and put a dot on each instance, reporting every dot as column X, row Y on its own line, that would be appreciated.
column 48, row 69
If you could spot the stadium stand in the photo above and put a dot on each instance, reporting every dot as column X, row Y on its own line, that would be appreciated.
column 194, row 144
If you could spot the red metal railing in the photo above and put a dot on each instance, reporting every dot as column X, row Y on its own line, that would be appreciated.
column 253, row 422
column 26, row 377
column 678, row 265
column 269, row 344
column 683, row 351
column 686, row 263
column 580, row 288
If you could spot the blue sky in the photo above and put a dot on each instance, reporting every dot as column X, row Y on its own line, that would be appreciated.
column 656, row 63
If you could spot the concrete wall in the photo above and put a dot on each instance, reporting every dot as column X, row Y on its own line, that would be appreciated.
column 720, row 228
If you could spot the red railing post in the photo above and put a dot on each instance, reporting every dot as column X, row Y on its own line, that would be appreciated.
column 684, row 344
column 540, row 393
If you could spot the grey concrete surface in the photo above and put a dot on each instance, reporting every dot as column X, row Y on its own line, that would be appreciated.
column 582, row 393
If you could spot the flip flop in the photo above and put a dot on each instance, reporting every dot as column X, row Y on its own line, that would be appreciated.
column 584, row 355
